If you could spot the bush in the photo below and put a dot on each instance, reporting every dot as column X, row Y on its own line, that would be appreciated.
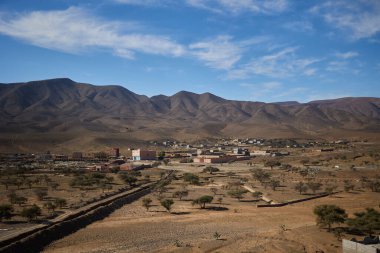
column 210, row 169
column 146, row 203
column 191, row 178
column 31, row 213
column 238, row 194
column 367, row 222
column 128, row 179
column 5, row 212
column 59, row 202
column 40, row 193
column 167, row 204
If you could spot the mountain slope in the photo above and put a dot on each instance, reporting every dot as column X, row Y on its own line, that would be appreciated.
column 65, row 113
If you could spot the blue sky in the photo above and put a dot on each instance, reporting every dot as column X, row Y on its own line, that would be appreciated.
column 273, row 50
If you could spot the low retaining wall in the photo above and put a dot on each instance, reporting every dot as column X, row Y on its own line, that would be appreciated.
column 293, row 201
column 36, row 240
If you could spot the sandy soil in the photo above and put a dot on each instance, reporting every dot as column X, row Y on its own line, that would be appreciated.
column 243, row 228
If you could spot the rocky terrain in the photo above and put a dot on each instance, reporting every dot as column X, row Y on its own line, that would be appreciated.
column 61, row 114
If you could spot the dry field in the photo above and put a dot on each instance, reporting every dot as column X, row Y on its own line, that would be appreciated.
column 242, row 226
column 57, row 186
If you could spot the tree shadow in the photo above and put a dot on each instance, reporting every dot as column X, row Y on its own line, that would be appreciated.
column 217, row 208
column 180, row 213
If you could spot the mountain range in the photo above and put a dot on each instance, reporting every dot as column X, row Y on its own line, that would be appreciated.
column 66, row 115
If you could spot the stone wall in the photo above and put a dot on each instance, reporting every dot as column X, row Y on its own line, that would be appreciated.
column 37, row 239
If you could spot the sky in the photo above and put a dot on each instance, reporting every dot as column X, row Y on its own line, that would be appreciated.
column 251, row 50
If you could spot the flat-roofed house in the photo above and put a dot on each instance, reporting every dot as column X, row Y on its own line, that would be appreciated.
column 138, row 155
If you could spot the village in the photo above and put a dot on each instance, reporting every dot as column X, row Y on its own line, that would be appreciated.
column 239, row 177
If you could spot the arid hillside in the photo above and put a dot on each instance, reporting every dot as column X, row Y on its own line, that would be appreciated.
column 61, row 113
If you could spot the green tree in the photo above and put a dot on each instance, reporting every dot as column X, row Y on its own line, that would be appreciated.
column 180, row 194
column 5, row 212
column 257, row 194
column 374, row 185
column 210, row 169
column 31, row 213
column 202, row 201
column 348, row 186
column 146, row 202
column 161, row 155
column 191, row 178
column 301, row 187
column 54, row 185
column 12, row 197
column 50, row 206
column 261, row 175
column 329, row 214
column 367, row 222
column 237, row 194
column 329, row 189
column 60, row 202
column 271, row 164
column 167, row 204
column 214, row 190
column 128, row 179
column 274, row 184
column 19, row 200
column 40, row 193
column 313, row 186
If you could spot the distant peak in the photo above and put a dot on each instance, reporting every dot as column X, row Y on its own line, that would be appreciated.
column 55, row 81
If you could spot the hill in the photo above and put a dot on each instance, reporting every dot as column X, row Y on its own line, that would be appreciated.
column 66, row 115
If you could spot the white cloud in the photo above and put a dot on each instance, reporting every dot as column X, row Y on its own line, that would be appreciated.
column 239, row 6
column 337, row 66
column 299, row 26
column 221, row 52
column 74, row 30
column 218, row 53
column 145, row 2
column 347, row 55
column 310, row 72
column 360, row 18
column 271, row 85
column 283, row 63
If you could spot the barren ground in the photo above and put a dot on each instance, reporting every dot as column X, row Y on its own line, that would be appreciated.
column 243, row 226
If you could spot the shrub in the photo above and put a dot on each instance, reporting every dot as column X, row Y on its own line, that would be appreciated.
column 238, row 194
column 191, row 178
column 367, row 222
column 146, row 203
column 5, row 212
column 31, row 213
column 210, row 169
column 167, row 204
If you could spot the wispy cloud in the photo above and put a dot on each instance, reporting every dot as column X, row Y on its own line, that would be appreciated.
column 74, row 30
column 239, row 6
column 218, row 53
column 146, row 2
column 283, row 63
column 222, row 52
column 299, row 26
column 347, row 55
column 360, row 18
